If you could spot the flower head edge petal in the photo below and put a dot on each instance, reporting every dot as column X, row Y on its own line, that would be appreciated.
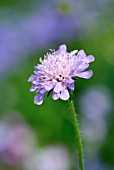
column 57, row 72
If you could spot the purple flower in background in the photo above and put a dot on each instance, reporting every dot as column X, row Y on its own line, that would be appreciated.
column 95, row 103
column 56, row 157
column 57, row 73
column 16, row 143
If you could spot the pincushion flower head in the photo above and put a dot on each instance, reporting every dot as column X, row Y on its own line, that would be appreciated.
column 56, row 73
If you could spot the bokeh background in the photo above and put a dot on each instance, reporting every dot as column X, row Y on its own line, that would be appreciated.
column 42, row 137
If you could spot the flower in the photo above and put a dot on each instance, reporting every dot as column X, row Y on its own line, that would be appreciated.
column 55, row 157
column 57, row 73
column 94, row 112
column 17, row 142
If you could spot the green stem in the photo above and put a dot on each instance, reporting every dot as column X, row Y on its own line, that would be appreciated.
column 76, row 126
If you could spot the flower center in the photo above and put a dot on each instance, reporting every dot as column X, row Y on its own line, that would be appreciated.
column 59, row 78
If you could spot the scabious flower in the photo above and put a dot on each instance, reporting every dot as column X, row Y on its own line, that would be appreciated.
column 57, row 73
column 56, row 157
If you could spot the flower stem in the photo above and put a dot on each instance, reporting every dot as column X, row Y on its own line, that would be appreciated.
column 76, row 126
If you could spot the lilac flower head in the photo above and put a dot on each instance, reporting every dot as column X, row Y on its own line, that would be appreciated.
column 57, row 72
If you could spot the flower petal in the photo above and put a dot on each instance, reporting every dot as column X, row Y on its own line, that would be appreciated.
column 85, row 75
column 32, row 78
column 70, row 80
column 82, row 67
column 81, row 54
column 70, row 86
column 71, row 72
column 62, row 49
column 48, row 85
column 55, row 96
column 73, row 52
column 58, row 87
column 42, row 91
column 64, row 95
column 89, row 59
column 39, row 99
column 33, row 88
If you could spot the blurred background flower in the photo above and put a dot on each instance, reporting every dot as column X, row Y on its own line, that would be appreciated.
column 27, row 30
column 95, row 105
column 17, row 141
column 49, row 158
